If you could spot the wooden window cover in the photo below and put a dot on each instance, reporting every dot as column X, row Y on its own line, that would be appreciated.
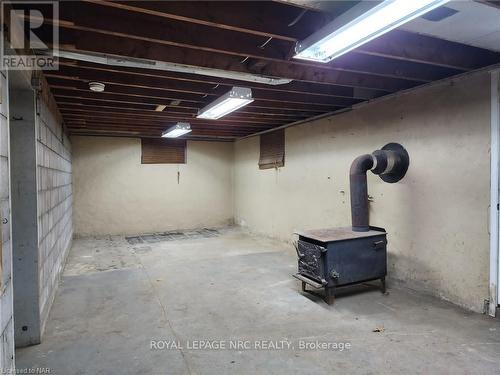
column 163, row 151
column 272, row 150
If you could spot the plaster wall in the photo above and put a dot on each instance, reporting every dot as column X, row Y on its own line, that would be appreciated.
column 436, row 217
column 116, row 194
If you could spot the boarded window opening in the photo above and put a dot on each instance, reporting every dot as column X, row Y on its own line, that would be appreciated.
column 272, row 150
column 163, row 151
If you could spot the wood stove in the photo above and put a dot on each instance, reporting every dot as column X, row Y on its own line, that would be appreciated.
column 337, row 257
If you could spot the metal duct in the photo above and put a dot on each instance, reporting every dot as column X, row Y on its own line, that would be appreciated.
column 105, row 59
column 391, row 163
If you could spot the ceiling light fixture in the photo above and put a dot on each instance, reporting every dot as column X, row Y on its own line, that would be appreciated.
column 227, row 103
column 177, row 130
column 160, row 107
column 335, row 40
column 97, row 86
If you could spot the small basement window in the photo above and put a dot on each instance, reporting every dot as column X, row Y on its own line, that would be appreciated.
column 163, row 151
column 272, row 150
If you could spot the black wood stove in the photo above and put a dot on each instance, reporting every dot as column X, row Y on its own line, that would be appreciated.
column 337, row 257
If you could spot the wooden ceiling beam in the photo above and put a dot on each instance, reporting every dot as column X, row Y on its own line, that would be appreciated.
column 167, row 95
column 135, row 102
column 151, row 113
column 89, row 42
column 159, row 130
column 152, row 133
column 163, row 126
column 407, row 46
column 195, row 83
column 193, row 120
column 401, row 45
column 209, row 39
column 75, row 104
column 135, row 134
column 162, row 119
column 364, row 63
column 158, row 75
column 174, row 118
column 236, row 117
column 237, row 16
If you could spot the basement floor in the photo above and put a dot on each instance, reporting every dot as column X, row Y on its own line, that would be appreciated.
column 116, row 297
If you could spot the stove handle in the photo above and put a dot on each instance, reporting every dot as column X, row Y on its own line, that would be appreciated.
column 377, row 245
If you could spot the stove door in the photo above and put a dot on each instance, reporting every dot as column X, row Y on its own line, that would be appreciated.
column 311, row 260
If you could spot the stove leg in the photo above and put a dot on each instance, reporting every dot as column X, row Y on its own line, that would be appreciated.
column 303, row 286
column 382, row 285
column 329, row 295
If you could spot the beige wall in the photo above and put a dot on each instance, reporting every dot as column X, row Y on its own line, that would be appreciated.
column 115, row 194
column 436, row 217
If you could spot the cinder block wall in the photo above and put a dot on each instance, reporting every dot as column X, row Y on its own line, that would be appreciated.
column 6, row 303
column 55, row 199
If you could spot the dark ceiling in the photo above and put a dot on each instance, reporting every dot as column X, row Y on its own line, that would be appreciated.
column 253, row 37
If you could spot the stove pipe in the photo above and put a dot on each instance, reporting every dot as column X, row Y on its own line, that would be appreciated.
column 391, row 163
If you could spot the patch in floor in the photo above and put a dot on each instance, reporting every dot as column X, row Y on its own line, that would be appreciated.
column 173, row 236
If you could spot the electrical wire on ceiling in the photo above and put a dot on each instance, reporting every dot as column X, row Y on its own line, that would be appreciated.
column 297, row 19
column 265, row 43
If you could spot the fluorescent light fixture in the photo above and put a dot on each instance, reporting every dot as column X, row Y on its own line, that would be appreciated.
column 177, row 130
column 160, row 107
column 227, row 103
column 333, row 41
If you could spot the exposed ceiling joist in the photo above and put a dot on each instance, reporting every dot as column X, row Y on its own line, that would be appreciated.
column 250, row 38
column 232, row 15
column 153, row 78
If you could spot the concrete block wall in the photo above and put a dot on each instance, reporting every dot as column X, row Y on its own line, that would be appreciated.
column 55, row 199
column 6, row 303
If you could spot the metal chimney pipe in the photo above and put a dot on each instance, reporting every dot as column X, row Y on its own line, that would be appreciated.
column 359, row 192
column 391, row 163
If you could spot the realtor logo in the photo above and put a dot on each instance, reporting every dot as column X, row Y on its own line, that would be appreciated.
column 30, row 35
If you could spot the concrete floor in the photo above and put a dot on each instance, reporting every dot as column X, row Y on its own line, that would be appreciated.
column 115, row 298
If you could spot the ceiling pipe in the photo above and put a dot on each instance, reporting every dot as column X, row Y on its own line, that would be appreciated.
column 391, row 163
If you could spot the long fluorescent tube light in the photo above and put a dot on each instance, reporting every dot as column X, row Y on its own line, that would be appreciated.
column 102, row 58
column 227, row 103
column 333, row 41
column 177, row 130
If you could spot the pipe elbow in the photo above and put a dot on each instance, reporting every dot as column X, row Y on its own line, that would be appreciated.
column 361, row 165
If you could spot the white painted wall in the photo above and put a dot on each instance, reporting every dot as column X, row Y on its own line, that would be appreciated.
column 437, row 217
column 115, row 194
